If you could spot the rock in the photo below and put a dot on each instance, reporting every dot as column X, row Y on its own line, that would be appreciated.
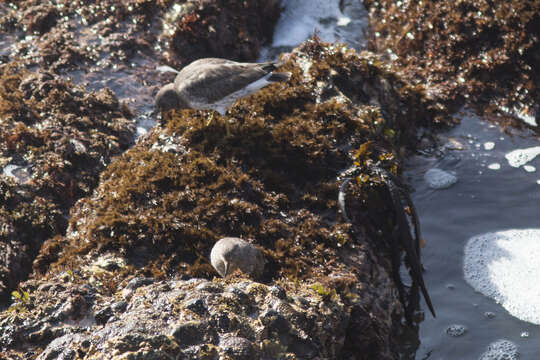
column 190, row 333
column 103, row 315
column 278, row 292
column 237, row 347
column 230, row 254
column 119, row 306
column 60, row 348
column 40, row 18
column 196, row 305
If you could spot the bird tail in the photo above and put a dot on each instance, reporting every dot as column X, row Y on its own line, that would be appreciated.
column 279, row 76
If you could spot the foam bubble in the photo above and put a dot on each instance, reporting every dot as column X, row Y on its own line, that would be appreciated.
column 504, row 266
column 529, row 168
column 489, row 314
column 489, row 145
column 494, row 166
column 501, row 350
column 439, row 179
column 520, row 157
column 456, row 330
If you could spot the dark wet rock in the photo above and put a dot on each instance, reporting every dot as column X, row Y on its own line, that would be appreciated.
column 482, row 51
column 191, row 333
column 278, row 292
column 103, row 315
column 210, row 287
column 222, row 322
column 203, row 29
column 154, row 324
column 237, row 294
column 40, row 18
column 196, row 305
column 138, row 282
column 303, row 348
column 119, row 306
column 62, row 348
column 237, row 347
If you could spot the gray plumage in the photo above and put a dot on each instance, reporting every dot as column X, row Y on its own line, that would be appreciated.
column 216, row 84
column 229, row 254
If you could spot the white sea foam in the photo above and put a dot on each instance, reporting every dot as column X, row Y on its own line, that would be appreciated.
column 521, row 113
column 529, row 168
column 333, row 19
column 489, row 145
column 519, row 157
column 504, row 266
column 439, row 179
column 494, row 166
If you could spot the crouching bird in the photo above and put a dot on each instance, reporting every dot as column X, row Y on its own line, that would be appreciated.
column 215, row 84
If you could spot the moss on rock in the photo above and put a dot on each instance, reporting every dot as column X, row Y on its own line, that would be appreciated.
column 54, row 140
column 273, row 181
column 479, row 50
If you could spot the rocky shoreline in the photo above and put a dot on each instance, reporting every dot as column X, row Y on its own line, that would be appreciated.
column 106, row 240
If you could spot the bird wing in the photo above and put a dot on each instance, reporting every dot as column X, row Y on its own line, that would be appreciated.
column 210, row 80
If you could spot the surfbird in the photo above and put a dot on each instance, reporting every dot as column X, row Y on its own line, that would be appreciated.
column 215, row 84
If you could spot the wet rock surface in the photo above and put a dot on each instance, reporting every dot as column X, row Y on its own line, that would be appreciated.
column 158, row 323
column 484, row 52
column 197, row 29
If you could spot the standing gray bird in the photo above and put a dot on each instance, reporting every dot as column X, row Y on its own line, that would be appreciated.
column 215, row 84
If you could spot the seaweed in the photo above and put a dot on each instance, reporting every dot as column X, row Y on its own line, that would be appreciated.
column 271, row 181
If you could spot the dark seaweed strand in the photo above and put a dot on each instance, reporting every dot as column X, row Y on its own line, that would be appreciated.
column 405, row 236
column 414, row 213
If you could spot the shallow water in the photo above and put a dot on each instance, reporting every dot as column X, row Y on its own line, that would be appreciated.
column 482, row 201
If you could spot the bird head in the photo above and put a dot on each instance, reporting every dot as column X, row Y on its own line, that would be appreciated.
column 168, row 98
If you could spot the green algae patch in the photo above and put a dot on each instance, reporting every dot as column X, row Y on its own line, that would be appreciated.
column 272, row 181
column 55, row 138
column 482, row 51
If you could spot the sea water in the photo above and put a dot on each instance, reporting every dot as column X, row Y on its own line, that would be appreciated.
column 482, row 256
